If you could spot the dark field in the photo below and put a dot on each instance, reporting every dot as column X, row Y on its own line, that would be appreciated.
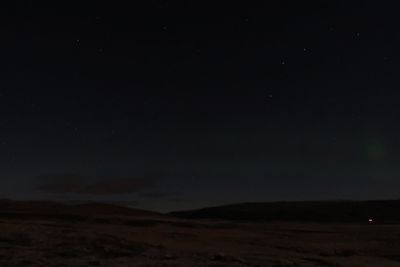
column 46, row 234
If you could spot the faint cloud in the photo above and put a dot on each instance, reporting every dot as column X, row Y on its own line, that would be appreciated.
column 159, row 194
column 86, row 185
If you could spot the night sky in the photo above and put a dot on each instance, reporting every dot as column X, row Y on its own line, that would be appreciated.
column 181, row 104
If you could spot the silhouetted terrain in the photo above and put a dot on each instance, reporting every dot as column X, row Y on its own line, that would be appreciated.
column 62, row 235
column 63, row 211
column 383, row 211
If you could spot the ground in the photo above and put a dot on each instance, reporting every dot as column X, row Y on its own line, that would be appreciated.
column 123, row 241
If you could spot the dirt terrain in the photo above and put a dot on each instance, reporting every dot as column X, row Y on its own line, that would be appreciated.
column 66, row 237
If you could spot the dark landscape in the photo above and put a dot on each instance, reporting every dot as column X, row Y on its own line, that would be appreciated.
column 380, row 211
column 55, row 234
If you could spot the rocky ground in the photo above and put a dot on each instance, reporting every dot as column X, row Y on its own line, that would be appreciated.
column 162, row 241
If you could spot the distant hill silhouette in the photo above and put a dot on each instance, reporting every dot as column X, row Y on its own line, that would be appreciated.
column 49, row 209
column 382, row 211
